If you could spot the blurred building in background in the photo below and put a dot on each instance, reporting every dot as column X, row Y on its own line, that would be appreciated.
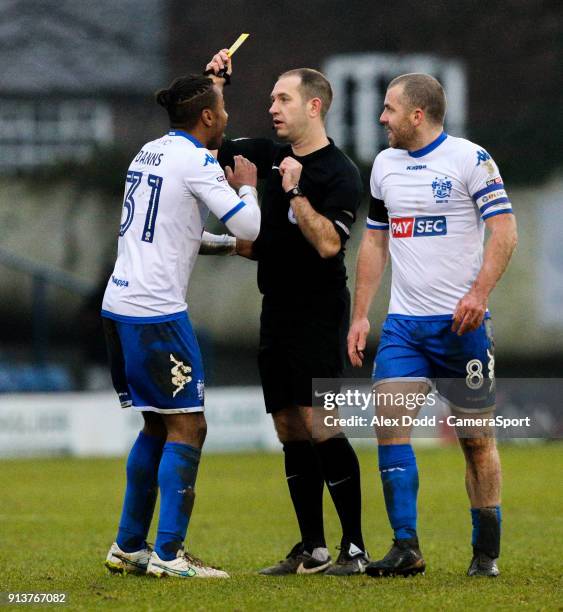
column 76, row 102
column 77, row 76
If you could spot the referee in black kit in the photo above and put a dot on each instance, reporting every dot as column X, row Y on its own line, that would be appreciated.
column 311, row 196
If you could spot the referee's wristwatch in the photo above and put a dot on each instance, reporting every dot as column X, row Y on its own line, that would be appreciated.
column 294, row 192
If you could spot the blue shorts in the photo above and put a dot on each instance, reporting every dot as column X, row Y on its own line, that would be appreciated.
column 427, row 350
column 156, row 367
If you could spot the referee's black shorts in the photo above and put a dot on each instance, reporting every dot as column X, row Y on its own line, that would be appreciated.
column 301, row 339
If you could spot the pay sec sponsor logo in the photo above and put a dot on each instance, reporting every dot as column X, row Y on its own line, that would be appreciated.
column 411, row 227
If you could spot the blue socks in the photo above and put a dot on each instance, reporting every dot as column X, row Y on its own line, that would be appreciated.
column 399, row 476
column 176, row 479
column 173, row 468
column 140, row 494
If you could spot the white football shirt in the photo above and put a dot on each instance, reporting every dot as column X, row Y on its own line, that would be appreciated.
column 172, row 184
column 433, row 203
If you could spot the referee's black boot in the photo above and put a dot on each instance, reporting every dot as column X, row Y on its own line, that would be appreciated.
column 300, row 561
column 288, row 565
column 404, row 559
column 351, row 561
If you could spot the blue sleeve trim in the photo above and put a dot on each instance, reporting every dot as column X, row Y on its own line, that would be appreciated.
column 232, row 212
column 156, row 319
column 488, row 189
column 377, row 227
column 503, row 200
column 498, row 212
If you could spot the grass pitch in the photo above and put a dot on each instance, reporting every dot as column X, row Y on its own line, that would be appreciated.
column 59, row 516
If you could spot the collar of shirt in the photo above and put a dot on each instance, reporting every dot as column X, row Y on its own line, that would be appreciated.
column 429, row 147
column 187, row 136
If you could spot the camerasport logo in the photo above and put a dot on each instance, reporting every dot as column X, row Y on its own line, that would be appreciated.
column 411, row 227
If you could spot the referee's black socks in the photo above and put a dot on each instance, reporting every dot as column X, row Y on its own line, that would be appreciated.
column 305, row 481
column 341, row 471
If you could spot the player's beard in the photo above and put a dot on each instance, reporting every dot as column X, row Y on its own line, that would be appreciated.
column 403, row 136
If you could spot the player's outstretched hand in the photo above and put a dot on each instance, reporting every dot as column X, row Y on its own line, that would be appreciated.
column 245, row 173
column 469, row 313
column 290, row 170
column 219, row 61
column 357, row 337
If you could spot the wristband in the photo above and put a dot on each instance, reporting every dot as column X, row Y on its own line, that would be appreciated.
column 222, row 74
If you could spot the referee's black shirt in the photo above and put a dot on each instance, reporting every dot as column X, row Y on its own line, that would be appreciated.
column 289, row 267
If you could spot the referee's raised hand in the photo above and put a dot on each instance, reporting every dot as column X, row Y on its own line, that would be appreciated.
column 219, row 61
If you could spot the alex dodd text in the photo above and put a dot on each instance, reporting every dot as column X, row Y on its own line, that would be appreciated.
column 427, row 421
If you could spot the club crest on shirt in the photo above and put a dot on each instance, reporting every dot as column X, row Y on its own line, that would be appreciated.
column 180, row 374
column 441, row 189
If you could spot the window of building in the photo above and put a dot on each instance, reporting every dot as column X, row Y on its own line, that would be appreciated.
column 36, row 132
column 359, row 82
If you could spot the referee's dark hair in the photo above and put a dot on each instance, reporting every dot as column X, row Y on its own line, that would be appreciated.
column 314, row 84
column 425, row 92
column 186, row 97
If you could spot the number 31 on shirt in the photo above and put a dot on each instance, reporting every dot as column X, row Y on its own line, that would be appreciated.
column 134, row 180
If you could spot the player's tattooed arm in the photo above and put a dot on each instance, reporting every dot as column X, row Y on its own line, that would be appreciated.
column 245, row 248
column 215, row 244
column 316, row 228
column 470, row 310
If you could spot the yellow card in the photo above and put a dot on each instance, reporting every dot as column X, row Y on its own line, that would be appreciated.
column 237, row 44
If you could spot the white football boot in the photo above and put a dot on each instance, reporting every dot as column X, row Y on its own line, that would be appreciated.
column 120, row 562
column 183, row 566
